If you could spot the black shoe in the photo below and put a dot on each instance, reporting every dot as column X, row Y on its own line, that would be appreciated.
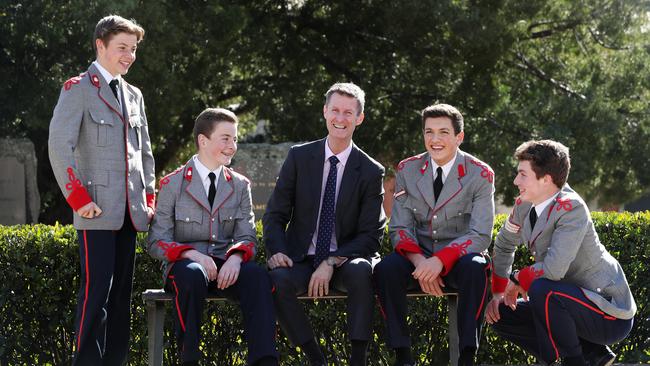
column 602, row 357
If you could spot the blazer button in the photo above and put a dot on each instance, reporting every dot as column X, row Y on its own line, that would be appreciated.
column 435, row 217
column 212, row 219
column 534, row 253
column 213, row 236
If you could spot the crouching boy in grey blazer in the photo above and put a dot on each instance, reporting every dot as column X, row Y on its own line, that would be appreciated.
column 204, row 233
column 575, row 298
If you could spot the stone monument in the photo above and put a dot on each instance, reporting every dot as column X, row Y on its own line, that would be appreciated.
column 261, row 163
column 19, row 198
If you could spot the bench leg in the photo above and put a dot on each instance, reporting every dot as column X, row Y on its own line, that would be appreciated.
column 155, row 327
column 453, row 330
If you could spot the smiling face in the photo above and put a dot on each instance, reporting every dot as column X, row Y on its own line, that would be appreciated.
column 531, row 188
column 220, row 147
column 342, row 117
column 118, row 54
column 439, row 139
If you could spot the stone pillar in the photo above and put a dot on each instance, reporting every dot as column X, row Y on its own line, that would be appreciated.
column 20, row 200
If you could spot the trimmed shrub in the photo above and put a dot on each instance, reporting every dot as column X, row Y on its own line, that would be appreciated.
column 39, row 276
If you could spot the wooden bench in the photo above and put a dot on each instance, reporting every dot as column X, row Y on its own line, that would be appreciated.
column 155, row 300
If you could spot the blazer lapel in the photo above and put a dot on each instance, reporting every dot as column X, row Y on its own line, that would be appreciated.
column 196, row 190
column 105, row 93
column 224, row 189
column 348, row 183
column 315, row 171
column 425, row 183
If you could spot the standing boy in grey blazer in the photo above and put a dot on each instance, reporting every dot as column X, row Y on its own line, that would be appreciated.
column 440, row 226
column 204, row 233
column 575, row 298
column 101, row 156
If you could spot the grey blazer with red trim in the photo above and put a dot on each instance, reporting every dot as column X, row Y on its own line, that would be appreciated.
column 566, row 247
column 100, row 152
column 185, row 221
column 460, row 222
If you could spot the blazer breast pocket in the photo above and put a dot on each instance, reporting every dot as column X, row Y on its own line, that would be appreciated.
column 458, row 215
column 136, row 125
column 102, row 127
column 228, row 217
column 189, row 221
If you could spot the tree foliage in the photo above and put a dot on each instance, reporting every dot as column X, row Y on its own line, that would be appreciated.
column 574, row 71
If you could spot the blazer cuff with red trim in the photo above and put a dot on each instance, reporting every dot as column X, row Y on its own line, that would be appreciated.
column 78, row 198
column 172, row 250
column 246, row 248
column 151, row 200
column 498, row 284
column 448, row 256
column 406, row 245
column 527, row 276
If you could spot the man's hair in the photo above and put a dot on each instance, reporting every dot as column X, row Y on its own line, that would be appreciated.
column 207, row 120
column 546, row 157
column 350, row 90
column 110, row 25
column 444, row 110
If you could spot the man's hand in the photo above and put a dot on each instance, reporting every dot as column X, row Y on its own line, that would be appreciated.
column 89, row 211
column 319, row 284
column 512, row 293
column 427, row 272
column 229, row 271
column 150, row 213
column 492, row 311
column 204, row 260
column 279, row 260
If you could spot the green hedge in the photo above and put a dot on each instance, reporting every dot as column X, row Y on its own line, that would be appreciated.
column 39, row 276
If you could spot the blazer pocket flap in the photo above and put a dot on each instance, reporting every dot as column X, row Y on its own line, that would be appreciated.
column 229, row 214
column 101, row 118
column 96, row 178
column 189, row 215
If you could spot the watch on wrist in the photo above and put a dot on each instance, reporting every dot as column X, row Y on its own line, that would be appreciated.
column 331, row 261
column 513, row 278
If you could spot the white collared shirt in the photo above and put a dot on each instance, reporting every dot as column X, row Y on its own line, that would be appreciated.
column 108, row 77
column 445, row 168
column 340, row 168
column 203, row 172
column 542, row 206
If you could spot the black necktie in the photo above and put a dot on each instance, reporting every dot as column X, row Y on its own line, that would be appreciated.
column 437, row 184
column 113, row 84
column 326, row 220
column 533, row 217
column 213, row 190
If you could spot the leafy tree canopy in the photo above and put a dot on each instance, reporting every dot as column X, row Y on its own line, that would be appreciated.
column 574, row 71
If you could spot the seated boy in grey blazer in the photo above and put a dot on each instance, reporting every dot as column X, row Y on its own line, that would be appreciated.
column 204, row 233
column 575, row 299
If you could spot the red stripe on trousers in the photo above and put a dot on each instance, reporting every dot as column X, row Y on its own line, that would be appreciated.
column 178, row 308
column 480, row 307
column 83, row 311
column 548, row 324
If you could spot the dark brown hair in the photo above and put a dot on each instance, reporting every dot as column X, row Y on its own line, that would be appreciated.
column 546, row 157
column 207, row 120
column 444, row 110
column 111, row 25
